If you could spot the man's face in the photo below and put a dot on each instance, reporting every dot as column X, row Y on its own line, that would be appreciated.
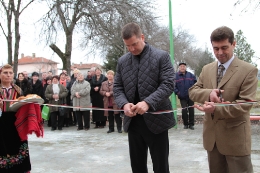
column 44, row 75
column 182, row 68
column 135, row 45
column 25, row 74
column 93, row 72
column 223, row 50
column 35, row 78
column 7, row 75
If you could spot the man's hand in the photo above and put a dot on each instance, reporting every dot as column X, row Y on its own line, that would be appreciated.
column 214, row 96
column 140, row 108
column 127, row 109
column 207, row 107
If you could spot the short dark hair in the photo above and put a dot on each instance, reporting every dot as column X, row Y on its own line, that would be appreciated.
column 182, row 63
column 35, row 74
column 222, row 33
column 55, row 76
column 130, row 30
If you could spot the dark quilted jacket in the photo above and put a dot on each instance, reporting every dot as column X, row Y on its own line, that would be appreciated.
column 154, row 75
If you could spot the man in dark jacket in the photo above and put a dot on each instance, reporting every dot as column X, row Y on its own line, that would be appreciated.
column 143, row 83
column 183, row 81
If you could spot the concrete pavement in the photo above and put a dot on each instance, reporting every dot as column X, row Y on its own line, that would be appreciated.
column 95, row 151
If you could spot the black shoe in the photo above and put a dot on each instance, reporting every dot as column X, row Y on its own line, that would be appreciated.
column 110, row 131
column 191, row 127
column 185, row 126
column 52, row 129
column 119, row 131
column 79, row 129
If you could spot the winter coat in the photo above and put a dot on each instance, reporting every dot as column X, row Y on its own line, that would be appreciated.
column 25, row 85
column 37, row 88
column 62, row 96
column 83, row 88
column 182, row 84
column 153, row 75
column 108, row 87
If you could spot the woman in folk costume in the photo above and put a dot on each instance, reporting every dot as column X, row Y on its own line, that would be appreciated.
column 14, row 153
column 106, row 90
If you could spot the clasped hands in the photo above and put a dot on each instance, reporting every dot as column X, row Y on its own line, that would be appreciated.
column 209, row 106
column 132, row 110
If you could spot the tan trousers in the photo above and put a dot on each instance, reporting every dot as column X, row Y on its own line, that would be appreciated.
column 219, row 163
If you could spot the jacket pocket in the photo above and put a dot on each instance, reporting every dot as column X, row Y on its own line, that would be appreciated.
column 234, row 124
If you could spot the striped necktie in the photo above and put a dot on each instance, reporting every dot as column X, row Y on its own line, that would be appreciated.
column 221, row 69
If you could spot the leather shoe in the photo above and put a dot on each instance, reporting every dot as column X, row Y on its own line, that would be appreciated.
column 185, row 127
column 119, row 131
column 110, row 131
column 191, row 127
column 79, row 129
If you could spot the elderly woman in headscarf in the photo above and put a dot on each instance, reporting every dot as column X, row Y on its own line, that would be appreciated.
column 80, row 93
column 56, row 94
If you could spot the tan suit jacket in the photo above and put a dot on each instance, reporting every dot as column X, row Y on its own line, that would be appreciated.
column 230, row 127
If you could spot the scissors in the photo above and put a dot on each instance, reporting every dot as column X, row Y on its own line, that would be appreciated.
column 220, row 95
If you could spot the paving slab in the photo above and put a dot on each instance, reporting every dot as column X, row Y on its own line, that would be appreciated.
column 95, row 151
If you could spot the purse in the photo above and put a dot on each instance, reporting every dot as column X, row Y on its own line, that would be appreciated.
column 45, row 112
column 62, row 111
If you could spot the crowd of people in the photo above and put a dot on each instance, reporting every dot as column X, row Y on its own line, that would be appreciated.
column 94, row 90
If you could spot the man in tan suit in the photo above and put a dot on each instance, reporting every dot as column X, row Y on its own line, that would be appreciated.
column 226, row 130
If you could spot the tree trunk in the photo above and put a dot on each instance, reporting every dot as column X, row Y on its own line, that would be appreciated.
column 9, row 34
column 17, row 40
column 68, row 50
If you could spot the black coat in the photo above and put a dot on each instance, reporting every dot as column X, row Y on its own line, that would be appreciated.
column 37, row 88
column 25, row 85
column 97, row 99
column 153, row 75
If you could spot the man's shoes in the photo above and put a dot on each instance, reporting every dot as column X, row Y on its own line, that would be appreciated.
column 185, row 126
column 119, row 131
column 52, row 129
column 79, row 129
column 191, row 127
column 110, row 131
